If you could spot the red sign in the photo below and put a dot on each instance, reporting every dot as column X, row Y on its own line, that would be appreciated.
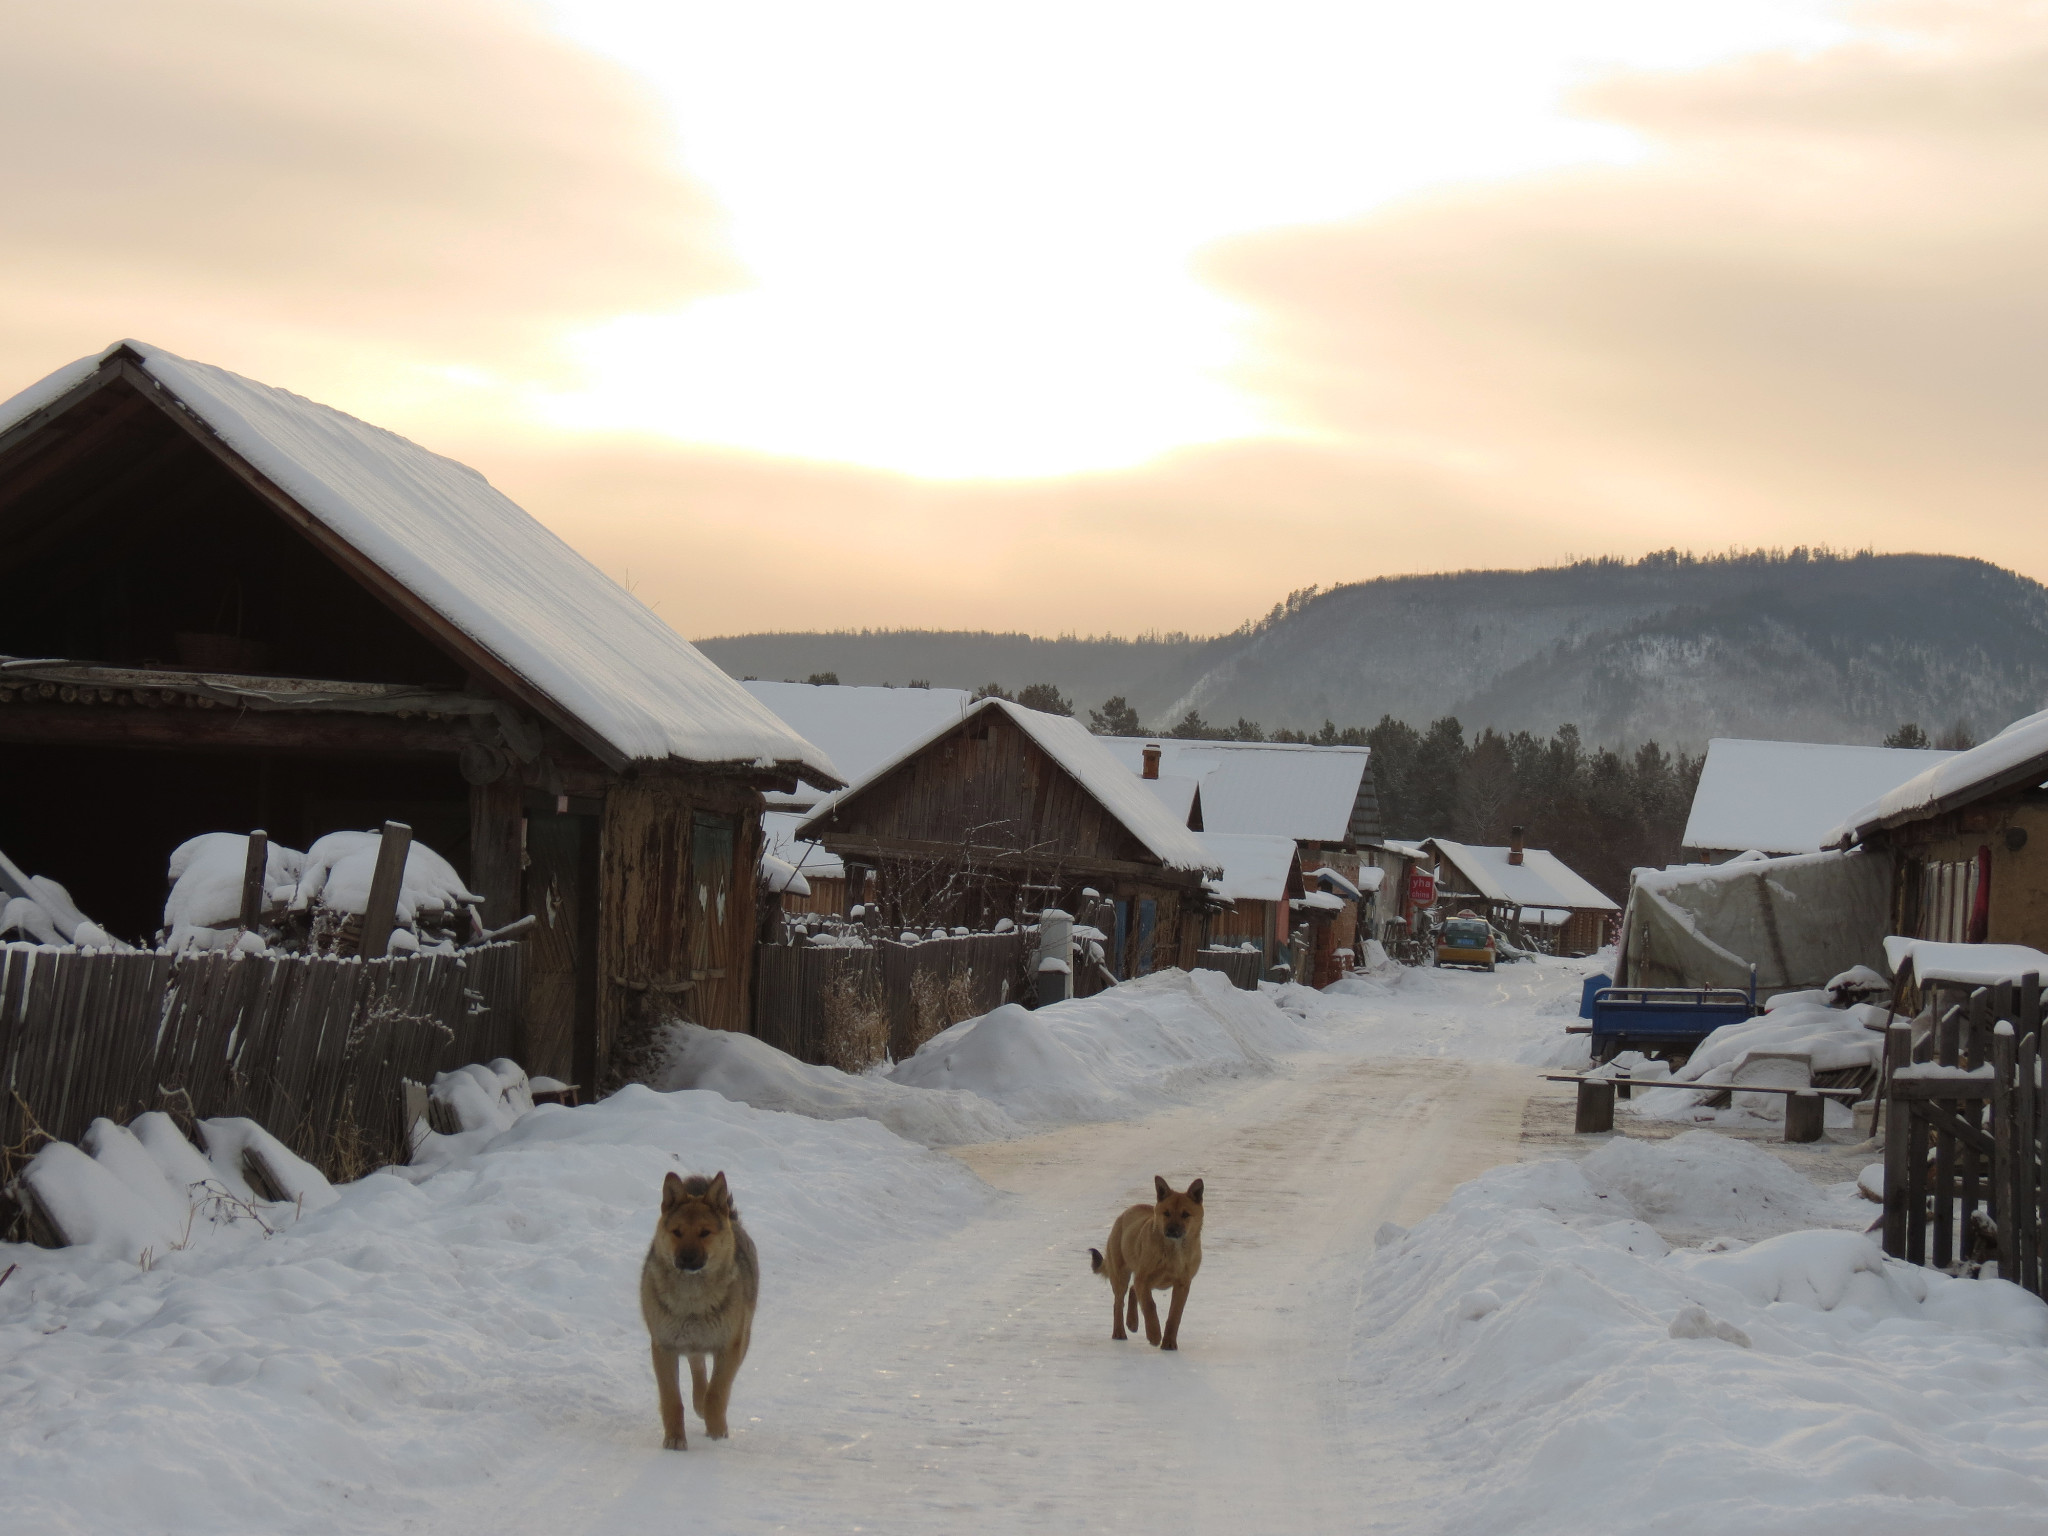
column 1421, row 888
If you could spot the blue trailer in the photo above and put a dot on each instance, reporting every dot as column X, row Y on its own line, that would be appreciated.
column 1661, row 1022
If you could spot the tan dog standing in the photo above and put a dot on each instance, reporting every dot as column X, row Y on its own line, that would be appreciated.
column 1150, row 1248
column 697, row 1292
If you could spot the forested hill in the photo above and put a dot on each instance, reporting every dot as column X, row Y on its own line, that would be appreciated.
column 1671, row 648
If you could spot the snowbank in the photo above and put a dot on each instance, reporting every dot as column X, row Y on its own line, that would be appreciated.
column 206, row 886
column 1838, row 1039
column 1116, row 1054
column 1575, row 1374
column 369, row 1365
column 341, row 865
column 751, row 1071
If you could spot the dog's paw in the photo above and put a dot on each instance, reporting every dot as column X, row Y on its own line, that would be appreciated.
column 674, row 1443
column 1169, row 1344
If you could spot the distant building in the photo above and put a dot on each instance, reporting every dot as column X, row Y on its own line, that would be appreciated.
column 1007, row 811
column 1779, row 797
column 1503, row 884
column 1322, row 798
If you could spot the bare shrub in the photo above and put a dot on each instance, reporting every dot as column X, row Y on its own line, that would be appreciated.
column 938, row 1001
column 856, row 1024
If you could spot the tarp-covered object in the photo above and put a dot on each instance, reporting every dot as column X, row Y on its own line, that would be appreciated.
column 1800, row 920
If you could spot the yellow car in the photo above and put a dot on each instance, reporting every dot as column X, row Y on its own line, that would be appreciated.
column 1466, row 940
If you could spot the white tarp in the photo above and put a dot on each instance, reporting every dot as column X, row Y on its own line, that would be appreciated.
column 1800, row 920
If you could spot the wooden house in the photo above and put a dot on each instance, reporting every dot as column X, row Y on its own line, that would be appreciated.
column 1007, row 811
column 223, row 606
column 1502, row 884
column 1968, row 841
column 1261, row 880
column 1323, row 798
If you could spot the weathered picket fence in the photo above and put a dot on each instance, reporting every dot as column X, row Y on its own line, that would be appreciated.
column 313, row 1047
column 804, row 994
column 1966, row 1136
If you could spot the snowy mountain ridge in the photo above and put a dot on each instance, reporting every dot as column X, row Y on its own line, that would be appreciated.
column 1798, row 646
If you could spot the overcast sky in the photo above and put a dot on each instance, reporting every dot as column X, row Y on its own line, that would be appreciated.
column 1099, row 317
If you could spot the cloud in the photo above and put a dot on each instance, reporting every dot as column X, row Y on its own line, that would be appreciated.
column 344, row 190
column 1812, row 313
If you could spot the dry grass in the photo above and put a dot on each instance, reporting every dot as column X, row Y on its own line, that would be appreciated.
column 938, row 1002
column 856, row 1024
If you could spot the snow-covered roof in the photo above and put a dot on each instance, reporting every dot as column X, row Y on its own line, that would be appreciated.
column 1790, row 796
column 1540, row 880
column 1256, row 865
column 1970, row 965
column 859, row 728
column 1303, row 792
column 1177, row 794
column 2016, row 755
column 589, row 654
column 815, row 860
column 1118, row 790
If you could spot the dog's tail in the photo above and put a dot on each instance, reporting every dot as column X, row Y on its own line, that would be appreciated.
column 1095, row 1260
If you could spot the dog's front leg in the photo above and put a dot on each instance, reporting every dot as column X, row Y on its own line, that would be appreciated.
column 1151, row 1311
column 1180, row 1299
column 697, row 1384
column 725, row 1366
column 1116, row 1311
column 666, row 1383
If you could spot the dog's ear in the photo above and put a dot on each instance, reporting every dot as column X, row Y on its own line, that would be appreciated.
column 1195, row 1191
column 1160, row 1185
column 671, row 1192
column 718, row 1194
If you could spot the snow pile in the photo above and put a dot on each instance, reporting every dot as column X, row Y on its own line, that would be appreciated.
column 38, row 909
column 206, row 873
column 414, row 1349
column 1116, row 1054
column 340, row 866
column 1838, row 1039
column 754, row 1072
column 1574, row 1374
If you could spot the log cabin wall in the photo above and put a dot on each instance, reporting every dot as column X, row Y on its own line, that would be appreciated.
column 1936, row 864
column 984, row 824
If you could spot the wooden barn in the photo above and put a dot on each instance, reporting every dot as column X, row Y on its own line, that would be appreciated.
column 223, row 607
column 1007, row 811
column 1525, row 886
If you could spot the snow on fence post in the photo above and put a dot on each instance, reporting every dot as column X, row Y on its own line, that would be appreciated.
column 1055, row 956
column 381, row 910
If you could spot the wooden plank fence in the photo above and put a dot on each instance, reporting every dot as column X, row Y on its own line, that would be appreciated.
column 1966, row 1137
column 804, row 992
column 313, row 1047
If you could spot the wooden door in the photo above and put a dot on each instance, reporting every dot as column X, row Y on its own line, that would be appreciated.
column 561, row 978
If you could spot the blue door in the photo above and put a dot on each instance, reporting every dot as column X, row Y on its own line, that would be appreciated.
column 1148, row 920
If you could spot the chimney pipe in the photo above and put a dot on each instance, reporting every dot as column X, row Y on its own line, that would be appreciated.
column 1151, row 760
column 1514, row 845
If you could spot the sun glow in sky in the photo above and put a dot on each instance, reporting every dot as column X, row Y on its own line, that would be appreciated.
column 972, row 235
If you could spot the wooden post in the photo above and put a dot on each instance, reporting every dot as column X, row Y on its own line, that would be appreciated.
column 2006, row 1147
column 1898, row 1179
column 382, row 910
column 2025, row 1191
column 1596, row 1106
column 254, row 866
column 1805, row 1115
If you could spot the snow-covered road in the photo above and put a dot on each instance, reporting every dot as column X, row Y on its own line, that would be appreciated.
column 975, row 1383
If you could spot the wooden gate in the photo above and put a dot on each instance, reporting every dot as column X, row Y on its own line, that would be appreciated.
column 1966, row 1137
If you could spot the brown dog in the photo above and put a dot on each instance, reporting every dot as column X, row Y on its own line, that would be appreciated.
column 1150, row 1248
column 697, row 1293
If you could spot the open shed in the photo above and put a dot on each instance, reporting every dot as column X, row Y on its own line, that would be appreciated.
column 223, row 606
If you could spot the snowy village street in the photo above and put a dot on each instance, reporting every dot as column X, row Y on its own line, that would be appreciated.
column 459, row 1351
column 974, row 1381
